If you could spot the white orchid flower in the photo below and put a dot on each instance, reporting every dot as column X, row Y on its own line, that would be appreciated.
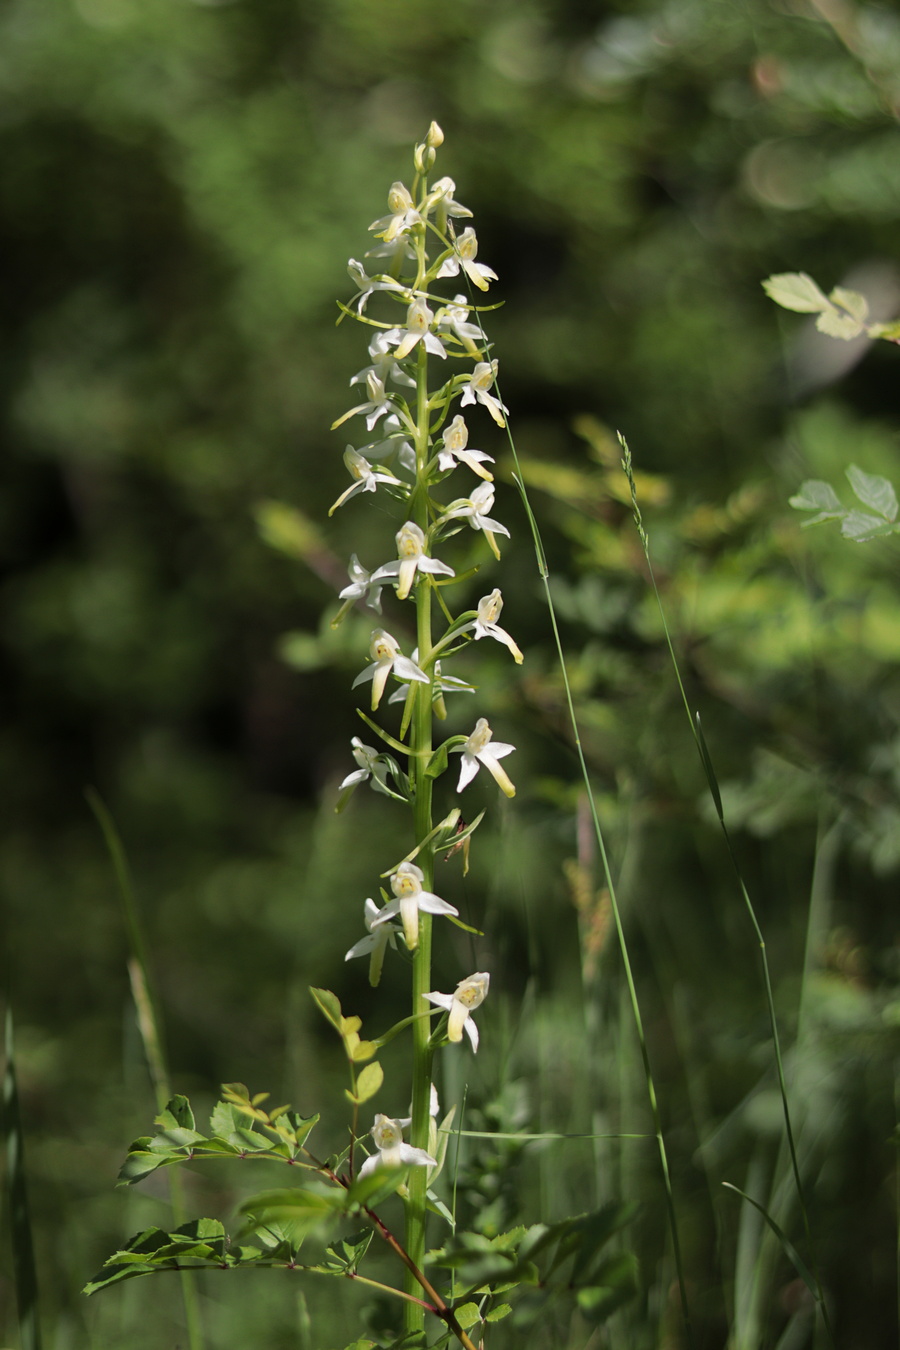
column 366, row 478
column 372, row 764
column 465, row 255
column 478, row 389
column 377, row 404
column 469, row 994
column 387, row 1135
column 403, row 215
column 454, row 451
column 455, row 319
column 368, row 285
column 441, row 200
column 440, row 684
column 409, row 900
column 378, row 938
column 419, row 319
column 480, row 749
column 363, row 586
column 384, row 363
column 412, row 558
column 475, row 510
column 387, row 657
column 485, row 623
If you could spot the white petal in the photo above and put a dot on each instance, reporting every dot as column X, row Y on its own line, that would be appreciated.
column 444, row 1001
column 364, row 946
column 433, row 904
column 472, row 1032
column 467, row 772
column 416, row 1157
column 407, row 670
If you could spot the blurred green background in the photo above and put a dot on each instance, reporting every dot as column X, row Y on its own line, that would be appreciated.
column 181, row 184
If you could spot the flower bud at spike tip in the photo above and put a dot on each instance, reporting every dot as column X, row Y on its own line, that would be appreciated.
column 435, row 137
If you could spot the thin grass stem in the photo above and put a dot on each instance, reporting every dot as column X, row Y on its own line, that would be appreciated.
column 703, row 752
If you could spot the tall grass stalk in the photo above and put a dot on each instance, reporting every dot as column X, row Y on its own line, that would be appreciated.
column 150, row 1029
column 544, row 573
column 706, row 761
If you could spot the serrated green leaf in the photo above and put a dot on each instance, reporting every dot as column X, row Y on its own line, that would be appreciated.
column 177, row 1114
column 138, row 1165
column 467, row 1315
column 369, row 1081
column 873, row 491
column 329, row 1004
column 225, row 1120
column 796, row 291
column 176, row 1139
column 834, row 324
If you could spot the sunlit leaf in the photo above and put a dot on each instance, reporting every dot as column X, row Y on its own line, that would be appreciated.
column 874, row 491
column 796, row 291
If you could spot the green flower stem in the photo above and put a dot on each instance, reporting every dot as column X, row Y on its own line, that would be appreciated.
column 420, row 753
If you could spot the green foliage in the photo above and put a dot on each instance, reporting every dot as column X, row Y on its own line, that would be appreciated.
column 175, row 191
column 549, row 1260
column 873, row 491
column 239, row 1128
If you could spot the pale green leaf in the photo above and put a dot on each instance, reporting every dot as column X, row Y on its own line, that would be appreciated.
column 834, row 324
column 467, row 1315
column 369, row 1081
column 860, row 527
column 816, row 495
column 330, row 1005
column 796, row 291
column 874, row 491
column 855, row 304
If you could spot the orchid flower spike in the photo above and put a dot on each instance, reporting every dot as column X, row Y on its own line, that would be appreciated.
column 387, row 1135
column 485, row 625
column 478, row 389
column 366, row 478
column 466, row 251
column 378, row 938
column 412, row 558
column 470, row 993
column 410, row 899
column 386, row 657
column 479, row 750
column 456, row 439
